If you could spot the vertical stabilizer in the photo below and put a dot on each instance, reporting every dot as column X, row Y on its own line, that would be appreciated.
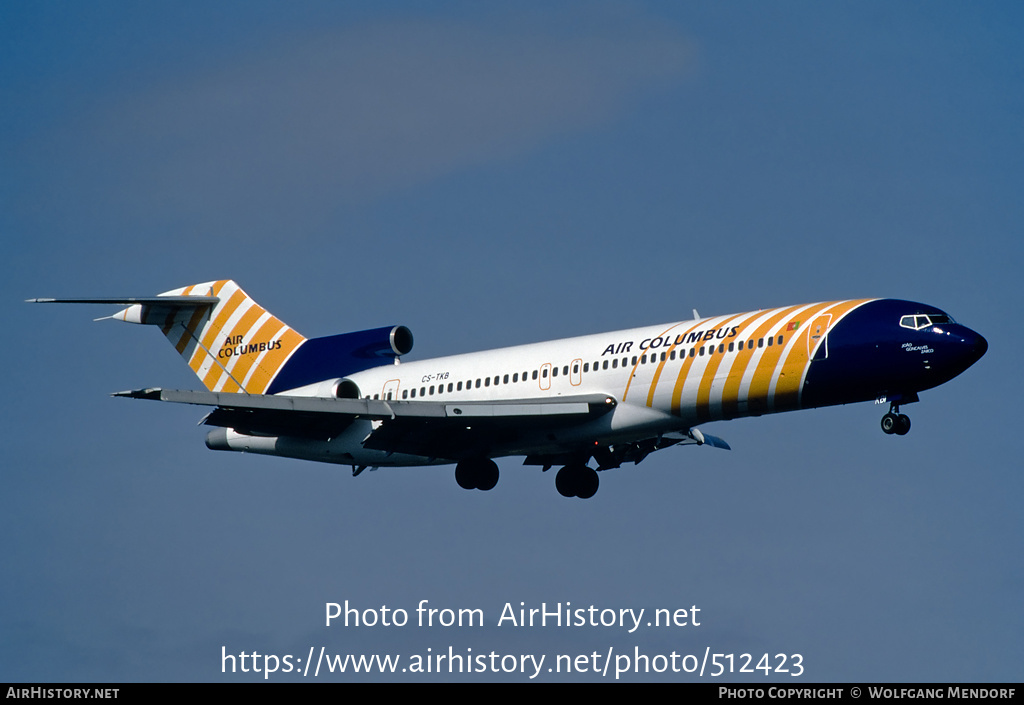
column 233, row 345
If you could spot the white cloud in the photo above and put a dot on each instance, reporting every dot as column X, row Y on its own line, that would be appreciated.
column 355, row 113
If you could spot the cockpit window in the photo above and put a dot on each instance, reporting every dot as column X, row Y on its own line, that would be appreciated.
column 922, row 321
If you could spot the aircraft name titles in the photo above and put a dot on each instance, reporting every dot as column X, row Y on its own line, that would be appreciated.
column 234, row 345
column 664, row 341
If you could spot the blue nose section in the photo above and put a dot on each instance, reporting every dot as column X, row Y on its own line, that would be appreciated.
column 971, row 347
column 980, row 347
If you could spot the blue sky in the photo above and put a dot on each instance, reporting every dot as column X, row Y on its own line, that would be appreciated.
column 493, row 174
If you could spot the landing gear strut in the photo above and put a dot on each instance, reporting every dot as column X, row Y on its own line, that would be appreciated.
column 477, row 474
column 895, row 422
column 577, row 480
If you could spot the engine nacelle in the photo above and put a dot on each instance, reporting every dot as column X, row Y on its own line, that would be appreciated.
column 337, row 356
column 342, row 388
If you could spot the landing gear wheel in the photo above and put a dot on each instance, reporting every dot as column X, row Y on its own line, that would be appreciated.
column 896, row 423
column 577, row 481
column 477, row 474
column 589, row 483
column 465, row 476
column 487, row 475
column 566, row 481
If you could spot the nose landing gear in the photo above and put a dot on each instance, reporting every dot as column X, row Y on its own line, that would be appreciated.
column 895, row 422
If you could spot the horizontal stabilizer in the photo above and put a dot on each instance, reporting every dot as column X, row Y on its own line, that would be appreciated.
column 129, row 301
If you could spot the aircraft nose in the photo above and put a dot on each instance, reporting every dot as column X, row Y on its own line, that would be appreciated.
column 980, row 346
column 973, row 347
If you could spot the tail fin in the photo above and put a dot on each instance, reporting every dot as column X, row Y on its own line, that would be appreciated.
column 232, row 343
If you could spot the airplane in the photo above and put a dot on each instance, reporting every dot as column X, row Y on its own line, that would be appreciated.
column 611, row 398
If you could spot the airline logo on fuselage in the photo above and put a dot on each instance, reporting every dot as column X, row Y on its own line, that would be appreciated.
column 234, row 346
column 665, row 341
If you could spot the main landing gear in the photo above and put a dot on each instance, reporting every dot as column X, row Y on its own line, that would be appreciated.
column 577, row 480
column 895, row 422
column 477, row 474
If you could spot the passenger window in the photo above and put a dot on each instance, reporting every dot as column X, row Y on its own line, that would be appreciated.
column 449, row 386
column 721, row 348
column 554, row 371
column 575, row 368
column 643, row 360
column 405, row 393
column 535, row 374
column 780, row 340
column 615, row 363
column 586, row 367
column 459, row 386
column 504, row 379
column 565, row 370
column 605, row 364
column 515, row 377
column 487, row 381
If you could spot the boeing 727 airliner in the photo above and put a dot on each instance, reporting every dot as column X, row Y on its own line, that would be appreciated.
column 600, row 400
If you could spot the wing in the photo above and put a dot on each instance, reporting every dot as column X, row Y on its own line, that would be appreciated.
column 431, row 429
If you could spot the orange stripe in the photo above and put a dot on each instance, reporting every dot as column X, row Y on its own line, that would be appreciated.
column 786, row 393
column 168, row 325
column 188, row 334
column 632, row 372
column 710, row 370
column 193, row 323
column 760, row 384
column 731, row 388
column 668, row 357
column 788, row 388
column 241, row 327
column 242, row 364
column 270, row 365
column 213, row 328
column 684, row 372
